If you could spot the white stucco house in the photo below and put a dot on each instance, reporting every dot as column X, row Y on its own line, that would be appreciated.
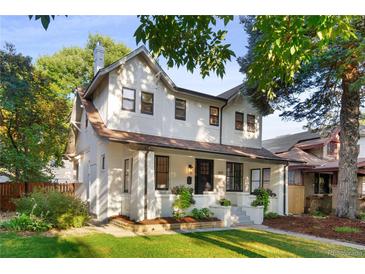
column 136, row 135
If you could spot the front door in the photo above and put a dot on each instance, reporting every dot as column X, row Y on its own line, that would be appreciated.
column 203, row 176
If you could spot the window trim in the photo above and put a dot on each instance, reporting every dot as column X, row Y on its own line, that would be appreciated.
column 254, row 123
column 168, row 172
column 177, row 117
column 234, row 181
column 260, row 180
column 153, row 101
column 235, row 120
column 210, row 116
column 126, row 163
column 130, row 100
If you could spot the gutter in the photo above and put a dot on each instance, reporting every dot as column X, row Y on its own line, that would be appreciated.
column 284, row 187
column 145, row 184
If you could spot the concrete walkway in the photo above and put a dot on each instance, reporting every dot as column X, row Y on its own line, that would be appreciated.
column 120, row 232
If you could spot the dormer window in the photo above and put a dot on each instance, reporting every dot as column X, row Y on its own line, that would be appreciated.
column 129, row 99
column 147, row 103
column 239, row 121
column 214, row 116
column 251, row 123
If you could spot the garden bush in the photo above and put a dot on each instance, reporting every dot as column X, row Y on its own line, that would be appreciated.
column 262, row 198
column 59, row 209
column 271, row 215
column 202, row 214
column 24, row 222
column 183, row 200
column 224, row 202
column 346, row 229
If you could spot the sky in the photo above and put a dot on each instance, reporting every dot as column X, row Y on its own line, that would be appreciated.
column 31, row 39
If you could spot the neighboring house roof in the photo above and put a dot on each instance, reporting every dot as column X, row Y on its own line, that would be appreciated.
column 286, row 142
column 158, row 141
column 296, row 154
column 312, row 143
column 196, row 93
column 333, row 166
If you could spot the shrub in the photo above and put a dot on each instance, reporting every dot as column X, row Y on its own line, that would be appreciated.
column 346, row 229
column 318, row 213
column 361, row 216
column 270, row 192
column 224, row 202
column 271, row 215
column 59, row 209
column 183, row 200
column 262, row 198
column 201, row 214
column 24, row 222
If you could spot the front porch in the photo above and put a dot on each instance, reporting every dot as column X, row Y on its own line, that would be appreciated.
column 140, row 183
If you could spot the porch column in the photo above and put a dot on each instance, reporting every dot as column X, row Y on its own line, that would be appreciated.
column 136, row 207
column 151, row 199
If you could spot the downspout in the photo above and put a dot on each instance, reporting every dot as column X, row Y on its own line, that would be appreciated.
column 145, row 185
column 221, row 124
column 285, row 182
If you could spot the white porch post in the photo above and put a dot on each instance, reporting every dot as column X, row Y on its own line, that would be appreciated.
column 151, row 198
column 137, row 186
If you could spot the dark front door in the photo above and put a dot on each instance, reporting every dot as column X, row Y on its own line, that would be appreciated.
column 203, row 176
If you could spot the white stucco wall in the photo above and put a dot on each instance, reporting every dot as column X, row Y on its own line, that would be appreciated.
column 231, row 136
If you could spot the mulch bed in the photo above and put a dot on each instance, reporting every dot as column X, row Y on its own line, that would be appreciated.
column 166, row 220
column 320, row 227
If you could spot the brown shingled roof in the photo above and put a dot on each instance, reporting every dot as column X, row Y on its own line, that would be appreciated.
column 158, row 141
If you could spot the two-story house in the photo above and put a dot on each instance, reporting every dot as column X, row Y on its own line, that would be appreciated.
column 136, row 135
column 312, row 184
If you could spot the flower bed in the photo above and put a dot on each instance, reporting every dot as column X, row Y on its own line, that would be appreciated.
column 326, row 227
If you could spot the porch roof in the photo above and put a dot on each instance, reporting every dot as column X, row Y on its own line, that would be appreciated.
column 158, row 141
column 333, row 166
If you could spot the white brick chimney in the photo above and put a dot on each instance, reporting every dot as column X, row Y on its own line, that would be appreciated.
column 98, row 57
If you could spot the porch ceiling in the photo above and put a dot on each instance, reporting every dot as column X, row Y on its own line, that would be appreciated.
column 158, row 141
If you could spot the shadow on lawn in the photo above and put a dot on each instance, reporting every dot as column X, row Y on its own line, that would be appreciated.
column 260, row 244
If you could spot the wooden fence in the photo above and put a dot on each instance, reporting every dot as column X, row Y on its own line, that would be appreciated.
column 296, row 199
column 10, row 191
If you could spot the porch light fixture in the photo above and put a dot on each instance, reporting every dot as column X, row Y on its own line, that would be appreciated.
column 190, row 173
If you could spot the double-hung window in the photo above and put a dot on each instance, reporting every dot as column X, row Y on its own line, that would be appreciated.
column 255, row 179
column 251, row 123
column 129, row 99
column 214, row 116
column 147, row 103
column 127, row 175
column 162, row 172
column 238, row 121
column 180, row 109
column 266, row 174
column 234, row 176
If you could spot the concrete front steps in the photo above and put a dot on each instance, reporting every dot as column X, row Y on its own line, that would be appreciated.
column 239, row 217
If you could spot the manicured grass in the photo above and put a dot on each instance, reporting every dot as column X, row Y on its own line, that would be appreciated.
column 347, row 229
column 229, row 243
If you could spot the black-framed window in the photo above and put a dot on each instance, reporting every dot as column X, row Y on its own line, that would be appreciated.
column 238, row 123
column 129, row 99
column 161, row 172
column 291, row 177
column 266, row 176
column 180, row 109
column 251, row 123
column 147, row 103
column 255, row 179
column 234, row 176
column 323, row 183
column 102, row 162
column 127, row 175
column 214, row 116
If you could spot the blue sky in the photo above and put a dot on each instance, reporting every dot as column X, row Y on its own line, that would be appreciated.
column 31, row 39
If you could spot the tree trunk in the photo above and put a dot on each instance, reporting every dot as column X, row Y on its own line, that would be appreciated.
column 349, row 135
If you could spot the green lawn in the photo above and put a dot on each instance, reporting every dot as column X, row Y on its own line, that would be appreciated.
column 230, row 243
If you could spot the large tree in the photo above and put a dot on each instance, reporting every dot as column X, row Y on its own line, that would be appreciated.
column 33, row 120
column 312, row 67
column 72, row 67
